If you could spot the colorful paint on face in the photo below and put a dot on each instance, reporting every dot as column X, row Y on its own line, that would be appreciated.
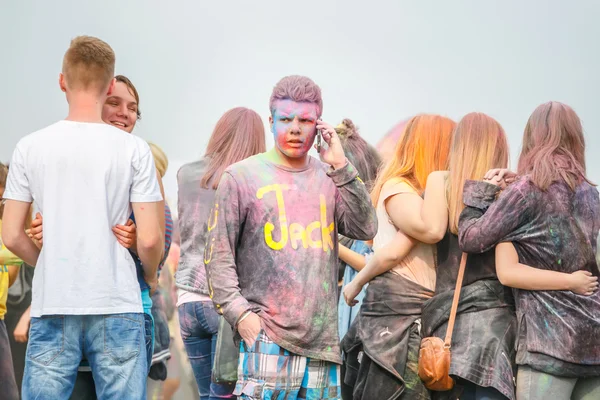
column 120, row 109
column 294, row 128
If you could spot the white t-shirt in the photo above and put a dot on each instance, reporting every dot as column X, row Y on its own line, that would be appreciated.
column 82, row 177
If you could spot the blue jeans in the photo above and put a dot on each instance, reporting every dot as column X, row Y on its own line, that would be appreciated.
column 199, row 323
column 113, row 344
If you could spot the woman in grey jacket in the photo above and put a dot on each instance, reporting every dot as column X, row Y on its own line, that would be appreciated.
column 239, row 134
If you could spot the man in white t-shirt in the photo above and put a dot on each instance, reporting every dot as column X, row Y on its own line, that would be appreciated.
column 85, row 177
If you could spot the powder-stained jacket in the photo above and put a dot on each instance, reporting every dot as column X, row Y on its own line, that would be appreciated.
column 484, row 334
column 272, row 248
column 485, row 330
column 554, row 230
column 193, row 204
column 382, row 331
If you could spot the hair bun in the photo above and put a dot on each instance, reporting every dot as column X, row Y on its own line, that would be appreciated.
column 346, row 128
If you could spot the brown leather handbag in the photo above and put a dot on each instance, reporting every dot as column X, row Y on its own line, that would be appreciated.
column 434, row 355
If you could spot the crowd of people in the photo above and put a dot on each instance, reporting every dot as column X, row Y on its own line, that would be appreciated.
column 292, row 277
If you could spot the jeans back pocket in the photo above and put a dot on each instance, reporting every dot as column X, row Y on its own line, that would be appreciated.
column 123, row 335
column 46, row 339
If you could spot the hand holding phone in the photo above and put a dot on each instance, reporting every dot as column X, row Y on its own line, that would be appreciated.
column 331, row 151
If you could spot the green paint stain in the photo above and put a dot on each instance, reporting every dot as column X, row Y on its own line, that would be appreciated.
column 559, row 261
column 328, row 348
column 326, row 286
column 545, row 382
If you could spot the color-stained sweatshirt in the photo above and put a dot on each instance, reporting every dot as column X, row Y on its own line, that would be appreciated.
column 272, row 248
column 554, row 230
column 194, row 204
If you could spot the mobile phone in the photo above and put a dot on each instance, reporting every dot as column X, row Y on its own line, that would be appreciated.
column 319, row 138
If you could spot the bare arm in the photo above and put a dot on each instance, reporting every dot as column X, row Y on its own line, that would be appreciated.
column 386, row 258
column 423, row 219
column 148, row 206
column 433, row 215
column 352, row 258
column 520, row 276
column 126, row 234
column 426, row 219
column 150, row 237
column 380, row 262
column 22, row 329
column 13, row 231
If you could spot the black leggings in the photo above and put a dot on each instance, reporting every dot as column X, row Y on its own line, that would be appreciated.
column 473, row 392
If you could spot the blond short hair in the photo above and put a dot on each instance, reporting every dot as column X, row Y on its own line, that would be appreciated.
column 160, row 159
column 89, row 63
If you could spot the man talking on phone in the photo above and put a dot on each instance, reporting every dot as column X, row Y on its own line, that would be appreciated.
column 271, row 255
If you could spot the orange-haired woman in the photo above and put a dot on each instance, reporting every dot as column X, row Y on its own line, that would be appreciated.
column 387, row 328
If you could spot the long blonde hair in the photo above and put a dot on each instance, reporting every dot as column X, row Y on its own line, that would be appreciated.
column 160, row 159
column 479, row 144
column 422, row 149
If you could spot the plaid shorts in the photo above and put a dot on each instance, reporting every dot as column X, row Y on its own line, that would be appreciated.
column 267, row 371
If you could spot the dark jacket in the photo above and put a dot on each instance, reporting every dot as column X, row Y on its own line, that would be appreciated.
column 381, row 331
column 484, row 333
column 556, row 230
column 194, row 204
column 486, row 326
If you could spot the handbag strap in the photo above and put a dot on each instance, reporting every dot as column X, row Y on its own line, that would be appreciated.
column 459, row 282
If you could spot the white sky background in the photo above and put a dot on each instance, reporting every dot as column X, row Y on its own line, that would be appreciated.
column 377, row 62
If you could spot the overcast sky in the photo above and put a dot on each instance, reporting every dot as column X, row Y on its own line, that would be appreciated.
column 377, row 62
